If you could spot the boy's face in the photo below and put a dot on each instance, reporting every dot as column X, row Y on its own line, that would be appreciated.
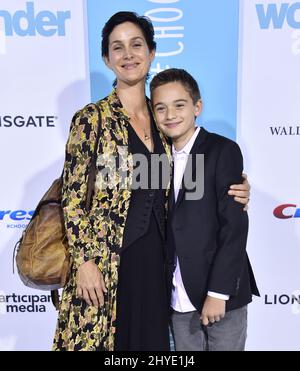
column 175, row 111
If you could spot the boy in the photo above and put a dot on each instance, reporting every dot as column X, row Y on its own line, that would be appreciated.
column 208, row 268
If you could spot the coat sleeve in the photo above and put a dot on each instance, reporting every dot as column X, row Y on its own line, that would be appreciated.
column 229, row 259
column 82, row 238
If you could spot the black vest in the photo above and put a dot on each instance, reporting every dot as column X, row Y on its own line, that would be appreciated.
column 144, row 202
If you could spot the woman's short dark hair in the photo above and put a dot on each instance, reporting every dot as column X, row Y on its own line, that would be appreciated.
column 144, row 23
column 177, row 75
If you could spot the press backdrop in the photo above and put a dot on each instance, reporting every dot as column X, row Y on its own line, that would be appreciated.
column 245, row 56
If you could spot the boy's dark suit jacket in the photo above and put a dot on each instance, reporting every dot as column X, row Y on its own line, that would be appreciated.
column 209, row 235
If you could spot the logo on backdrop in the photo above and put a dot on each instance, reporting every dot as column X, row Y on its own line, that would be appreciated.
column 285, row 130
column 287, row 211
column 17, row 219
column 282, row 299
column 277, row 16
column 29, row 22
column 24, row 121
column 14, row 303
column 169, row 29
column 292, row 301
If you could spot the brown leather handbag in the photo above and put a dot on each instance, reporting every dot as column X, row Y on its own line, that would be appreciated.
column 43, row 258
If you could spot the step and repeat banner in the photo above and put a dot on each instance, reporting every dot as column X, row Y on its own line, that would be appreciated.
column 244, row 54
column 268, row 132
column 43, row 81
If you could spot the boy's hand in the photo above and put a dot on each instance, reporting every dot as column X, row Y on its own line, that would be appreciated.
column 213, row 310
column 241, row 192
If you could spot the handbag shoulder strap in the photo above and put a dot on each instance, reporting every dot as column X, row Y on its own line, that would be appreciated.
column 92, row 170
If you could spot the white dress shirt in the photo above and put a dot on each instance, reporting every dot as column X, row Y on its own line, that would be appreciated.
column 180, row 300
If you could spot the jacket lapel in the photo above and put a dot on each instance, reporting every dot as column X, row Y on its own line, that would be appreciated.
column 196, row 149
column 171, row 197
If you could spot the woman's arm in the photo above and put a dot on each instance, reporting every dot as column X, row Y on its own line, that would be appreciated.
column 81, row 235
column 79, row 152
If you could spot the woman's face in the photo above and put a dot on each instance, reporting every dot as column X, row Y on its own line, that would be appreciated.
column 128, row 54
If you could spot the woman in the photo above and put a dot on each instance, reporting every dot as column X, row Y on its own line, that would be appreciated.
column 115, row 298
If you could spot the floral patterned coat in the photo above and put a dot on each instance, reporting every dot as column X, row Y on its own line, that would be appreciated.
column 98, row 234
